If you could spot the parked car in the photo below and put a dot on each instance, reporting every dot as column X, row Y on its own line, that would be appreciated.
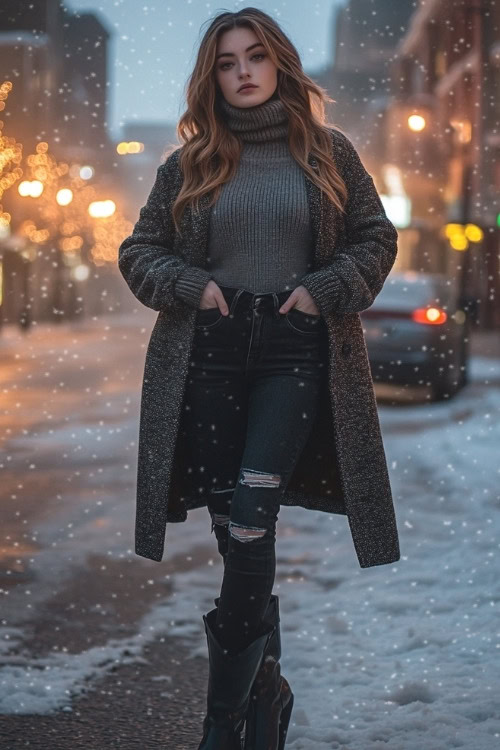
column 417, row 333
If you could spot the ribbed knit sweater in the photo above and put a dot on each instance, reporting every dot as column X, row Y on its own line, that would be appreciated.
column 260, row 236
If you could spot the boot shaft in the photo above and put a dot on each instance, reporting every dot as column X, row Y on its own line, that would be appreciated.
column 231, row 675
column 273, row 616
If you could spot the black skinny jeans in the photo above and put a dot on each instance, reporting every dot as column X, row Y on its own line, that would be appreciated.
column 251, row 400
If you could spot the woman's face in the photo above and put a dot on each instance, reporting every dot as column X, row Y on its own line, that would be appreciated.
column 236, row 64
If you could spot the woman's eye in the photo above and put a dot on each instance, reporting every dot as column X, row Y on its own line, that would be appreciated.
column 259, row 54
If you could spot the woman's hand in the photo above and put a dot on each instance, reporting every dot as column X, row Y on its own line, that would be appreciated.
column 305, row 302
column 212, row 297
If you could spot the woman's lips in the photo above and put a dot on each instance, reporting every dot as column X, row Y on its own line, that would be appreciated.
column 247, row 88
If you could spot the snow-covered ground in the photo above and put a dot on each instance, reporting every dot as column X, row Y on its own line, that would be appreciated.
column 394, row 657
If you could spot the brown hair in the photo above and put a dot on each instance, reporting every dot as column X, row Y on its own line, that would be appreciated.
column 210, row 152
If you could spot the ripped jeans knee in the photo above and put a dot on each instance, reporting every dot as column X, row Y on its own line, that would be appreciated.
column 245, row 533
column 253, row 479
column 221, row 522
column 223, row 527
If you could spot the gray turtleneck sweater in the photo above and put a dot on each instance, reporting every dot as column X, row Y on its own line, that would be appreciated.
column 260, row 234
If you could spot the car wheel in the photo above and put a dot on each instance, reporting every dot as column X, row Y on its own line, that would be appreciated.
column 452, row 383
column 464, row 362
column 464, row 373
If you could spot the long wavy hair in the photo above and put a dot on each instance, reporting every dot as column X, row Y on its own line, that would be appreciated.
column 210, row 150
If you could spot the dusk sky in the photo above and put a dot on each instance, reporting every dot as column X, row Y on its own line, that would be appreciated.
column 153, row 48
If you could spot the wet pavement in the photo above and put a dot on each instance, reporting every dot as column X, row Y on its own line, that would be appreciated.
column 156, row 704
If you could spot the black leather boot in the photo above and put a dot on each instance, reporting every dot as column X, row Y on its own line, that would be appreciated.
column 271, row 698
column 230, row 679
column 273, row 616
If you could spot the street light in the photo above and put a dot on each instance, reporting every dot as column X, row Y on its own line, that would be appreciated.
column 416, row 123
column 102, row 209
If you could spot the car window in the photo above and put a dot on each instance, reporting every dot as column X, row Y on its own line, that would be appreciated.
column 414, row 290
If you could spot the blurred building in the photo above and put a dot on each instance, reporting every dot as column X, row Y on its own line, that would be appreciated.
column 137, row 166
column 416, row 87
column 84, row 106
column 365, row 35
column 447, row 71
column 57, row 62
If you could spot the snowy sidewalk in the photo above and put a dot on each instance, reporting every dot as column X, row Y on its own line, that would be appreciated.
column 397, row 657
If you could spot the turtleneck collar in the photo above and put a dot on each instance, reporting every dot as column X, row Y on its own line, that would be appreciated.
column 264, row 122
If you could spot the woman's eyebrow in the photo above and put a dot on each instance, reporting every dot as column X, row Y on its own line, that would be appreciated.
column 231, row 54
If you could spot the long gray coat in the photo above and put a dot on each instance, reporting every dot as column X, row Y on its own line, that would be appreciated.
column 343, row 466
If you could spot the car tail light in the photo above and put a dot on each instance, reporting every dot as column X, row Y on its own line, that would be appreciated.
column 433, row 316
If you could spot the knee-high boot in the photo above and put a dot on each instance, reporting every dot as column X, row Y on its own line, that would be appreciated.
column 230, row 679
column 271, row 698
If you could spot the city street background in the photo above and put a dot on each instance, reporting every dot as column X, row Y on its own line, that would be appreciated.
column 101, row 648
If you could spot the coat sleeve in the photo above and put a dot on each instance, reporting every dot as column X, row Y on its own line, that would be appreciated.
column 146, row 258
column 360, row 265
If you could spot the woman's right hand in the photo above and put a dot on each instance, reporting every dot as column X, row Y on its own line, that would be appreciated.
column 212, row 297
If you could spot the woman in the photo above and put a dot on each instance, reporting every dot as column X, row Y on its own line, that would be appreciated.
column 262, row 239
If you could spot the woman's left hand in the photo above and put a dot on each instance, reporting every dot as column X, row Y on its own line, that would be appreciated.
column 306, row 304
